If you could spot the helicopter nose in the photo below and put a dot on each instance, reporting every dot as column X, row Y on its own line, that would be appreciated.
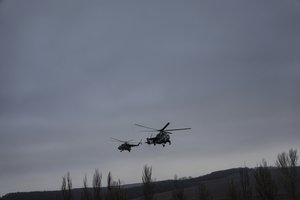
column 119, row 148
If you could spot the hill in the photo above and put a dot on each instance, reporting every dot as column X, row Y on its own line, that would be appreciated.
column 216, row 182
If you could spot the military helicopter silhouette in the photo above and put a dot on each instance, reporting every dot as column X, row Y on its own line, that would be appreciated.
column 126, row 146
column 163, row 135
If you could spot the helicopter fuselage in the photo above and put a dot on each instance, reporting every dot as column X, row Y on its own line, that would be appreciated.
column 163, row 135
column 127, row 147
column 160, row 138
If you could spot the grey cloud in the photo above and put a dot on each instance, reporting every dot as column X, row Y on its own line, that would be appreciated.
column 73, row 75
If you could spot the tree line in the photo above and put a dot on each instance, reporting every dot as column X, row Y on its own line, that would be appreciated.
column 114, row 189
column 264, row 186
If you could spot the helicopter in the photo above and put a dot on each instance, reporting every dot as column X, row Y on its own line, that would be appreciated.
column 163, row 135
column 126, row 145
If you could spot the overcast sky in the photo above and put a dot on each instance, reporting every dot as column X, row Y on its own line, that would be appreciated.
column 75, row 73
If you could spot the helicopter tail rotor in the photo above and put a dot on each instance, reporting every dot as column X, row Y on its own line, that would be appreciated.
column 140, row 143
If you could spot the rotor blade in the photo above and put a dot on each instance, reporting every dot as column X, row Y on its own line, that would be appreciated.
column 133, row 143
column 150, row 131
column 146, row 127
column 165, row 126
column 118, row 140
column 122, row 140
column 178, row 129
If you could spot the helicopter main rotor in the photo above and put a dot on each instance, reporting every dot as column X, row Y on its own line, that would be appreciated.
column 115, row 139
column 163, row 129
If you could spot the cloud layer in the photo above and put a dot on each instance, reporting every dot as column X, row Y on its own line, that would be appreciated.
column 74, row 74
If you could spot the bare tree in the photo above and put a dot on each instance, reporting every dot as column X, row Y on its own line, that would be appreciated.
column 109, row 186
column 97, row 178
column 204, row 193
column 85, row 191
column 178, row 193
column 264, row 184
column 114, row 189
column 246, row 189
column 63, row 188
column 66, row 187
column 233, row 192
column 117, row 192
column 148, row 186
column 287, row 164
column 109, row 181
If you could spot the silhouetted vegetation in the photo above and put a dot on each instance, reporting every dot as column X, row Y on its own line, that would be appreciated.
column 117, row 192
column 246, row 190
column 287, row 163
column 66, row 187
column 85, row 191
column 178, row 193
column 264, row 184
column 114, row 189
column 148, row 186
column 97, row 178
column 109, row 186
column 233, row 193
column 204, row 193
column 241, row 182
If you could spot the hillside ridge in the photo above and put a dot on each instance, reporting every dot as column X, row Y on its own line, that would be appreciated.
column 216, row 181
